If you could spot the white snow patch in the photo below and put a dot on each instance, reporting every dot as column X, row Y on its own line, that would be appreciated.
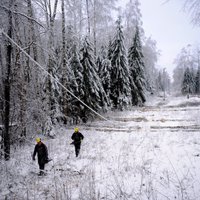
column 145, row 153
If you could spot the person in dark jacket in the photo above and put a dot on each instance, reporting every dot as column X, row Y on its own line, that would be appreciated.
column 77, row 137
column 42, row 154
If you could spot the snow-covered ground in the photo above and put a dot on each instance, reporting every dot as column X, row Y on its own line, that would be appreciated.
column 148, row 153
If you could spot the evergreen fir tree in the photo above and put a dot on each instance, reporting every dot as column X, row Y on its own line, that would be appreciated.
column 104, row 67
column 136, row 67
column 94, row 94
column 99, row 64
column 55, row 92
column 104, row 75
column 70, row 38
column 197, row 81
column 77, row 68
column 101, row 56
column 120, row 87
column 188, row 82
column 110, row 50
column 193, row 84
column 76, row 84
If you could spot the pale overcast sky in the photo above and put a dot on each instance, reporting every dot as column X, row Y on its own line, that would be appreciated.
column 170, row 27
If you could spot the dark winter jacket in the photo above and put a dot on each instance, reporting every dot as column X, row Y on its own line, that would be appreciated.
column 42, row 153
column 77, row 137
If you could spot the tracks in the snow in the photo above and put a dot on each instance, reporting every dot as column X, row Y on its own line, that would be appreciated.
column 152, row 119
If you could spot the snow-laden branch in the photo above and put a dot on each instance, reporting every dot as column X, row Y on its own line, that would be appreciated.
column 22, row 14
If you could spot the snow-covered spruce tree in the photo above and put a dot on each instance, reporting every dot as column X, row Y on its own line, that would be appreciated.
column 197, row 82
column 136, row 67
column 188, row 83
column 94, row 94
column 67, row 76
column 102, row 54
column 104, row 67
column 70, row 39
column 193, row 76
column 64, row 70
column 76, row 83
column 110, row 51
column 51, row 85
column 120, row 87
column 183, row 60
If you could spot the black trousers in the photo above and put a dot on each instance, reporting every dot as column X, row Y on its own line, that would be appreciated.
column 41, row 166
column 77, row 148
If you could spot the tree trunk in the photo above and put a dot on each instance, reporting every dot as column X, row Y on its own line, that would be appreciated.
column 6, row 135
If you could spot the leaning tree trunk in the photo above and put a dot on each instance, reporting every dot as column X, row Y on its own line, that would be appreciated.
column 6, row 135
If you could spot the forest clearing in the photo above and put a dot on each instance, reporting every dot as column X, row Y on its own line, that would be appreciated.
column 152, row 152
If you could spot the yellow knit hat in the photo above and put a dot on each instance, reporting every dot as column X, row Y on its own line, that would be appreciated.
column 76, row 129
column 38, row 139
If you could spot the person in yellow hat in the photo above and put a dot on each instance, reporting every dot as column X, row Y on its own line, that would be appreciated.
column 77, row 137
column 42, row 154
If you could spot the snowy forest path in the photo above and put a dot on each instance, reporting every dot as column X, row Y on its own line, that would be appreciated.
column 160, row 116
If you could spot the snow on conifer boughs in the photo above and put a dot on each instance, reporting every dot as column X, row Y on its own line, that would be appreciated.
column 94, row 94
column 120, row 87
column 77, row 83
column 197, row 81
column 188, row 84
column 136, row 67
column 51, row 87
column 104, row 67
column 105, row 75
